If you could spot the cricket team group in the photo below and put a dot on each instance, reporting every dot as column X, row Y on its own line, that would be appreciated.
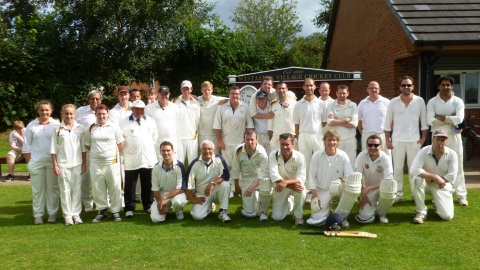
column 274, row 151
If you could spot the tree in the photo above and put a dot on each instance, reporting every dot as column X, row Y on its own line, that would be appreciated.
column 322, row 18
column 271, row 26
column 308, row 51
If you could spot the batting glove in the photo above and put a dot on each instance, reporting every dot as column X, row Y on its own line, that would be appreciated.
column 315, row 205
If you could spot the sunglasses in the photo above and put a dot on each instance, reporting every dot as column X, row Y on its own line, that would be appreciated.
column 406, row 85
column 373, row 144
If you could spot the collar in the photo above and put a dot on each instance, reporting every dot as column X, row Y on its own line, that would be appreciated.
column 133, row 118
column 49, row 121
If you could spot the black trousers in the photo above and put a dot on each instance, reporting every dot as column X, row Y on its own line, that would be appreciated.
column 129, row 190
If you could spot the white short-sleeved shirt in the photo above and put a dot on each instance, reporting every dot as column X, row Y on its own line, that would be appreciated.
column 117, row 113
column 261, row 125
column 249, row 168
column 85, row 116
column 103, row 142
column 447, row 166
column 273, row 95
column 165, row 118
column 188, row 118
column 326, row 104
column 68, row 145
column 200, row 173
column 372, row 114
column 374, row 171
column 349, row 110
column 38, row 139
column 232, row 123
column 12, row 139
column 207, row 115
column 324, row 169
column 453, row 109
column 139, row 148
column 282, row 122
column 406, row 119
column 168, row 179
column 294, row 168
column 309, row 115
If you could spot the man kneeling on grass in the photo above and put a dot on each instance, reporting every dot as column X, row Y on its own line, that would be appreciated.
column 434, row 170
column 167, row 179
column 208, row 181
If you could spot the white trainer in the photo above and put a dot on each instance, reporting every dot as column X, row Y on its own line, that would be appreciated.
column 180, row 214
column 462, row 201
column 52, row 218
column 69, row 221
column 38, row 221
column 129, row 214
column 263, row 217
column 383, row 219
column 224, row 217
column 77, row 219
column 419, row 218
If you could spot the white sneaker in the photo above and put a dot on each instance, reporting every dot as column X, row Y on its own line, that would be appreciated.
column 129, row 214
column 383, row 219
column 88, row 209
column 462, row 201
column 77, row 219
column 364, row 220
column 69, row 221
column 231, row 194
column 263, row 217
column 52, row 219
column 419, row 218
column 224, row 217
column 316, row 222
column 179, row 213
column 298, row 221
column 116, row 217
column 38, row 221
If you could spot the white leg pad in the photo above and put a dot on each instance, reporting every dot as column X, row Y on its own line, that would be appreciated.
column 265, row 187
column 264, row 202
column 353, row 187
column 388, row 189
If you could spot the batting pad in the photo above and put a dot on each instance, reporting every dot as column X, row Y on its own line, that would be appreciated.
column 264, row 202
column 265, row 187
column 336, row 187
column 353, row 187
column 388, row 188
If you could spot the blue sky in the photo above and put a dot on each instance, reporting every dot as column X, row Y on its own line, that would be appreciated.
column 306, row 10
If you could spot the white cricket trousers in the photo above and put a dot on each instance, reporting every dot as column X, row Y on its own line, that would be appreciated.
column 280, row 207
column 456, row 144
column 228, row 154
column 400, row 149
column 325, row 200
column 249, row 204
column 309, row 143
column 177, row 202
column 45, row 191
column 106, row 180
column 365, row 136
column 441, row 197
column 70, row 181
column 187, row 149
column 86, row 185
column 349, row 146
column 264, row 141
column 220, row 192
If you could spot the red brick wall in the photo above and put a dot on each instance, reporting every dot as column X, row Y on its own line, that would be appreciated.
column 370, row 39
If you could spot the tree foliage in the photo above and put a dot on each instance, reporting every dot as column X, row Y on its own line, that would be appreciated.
column 322, row 18
column 308, row 51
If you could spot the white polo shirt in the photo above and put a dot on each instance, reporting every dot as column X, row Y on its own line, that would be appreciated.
column 271, row 97
column 372, row 114
column 200, row 173
column 309, row 115
column 188, row 118
column 324, row 169
column 38, row 139
column 261, row 125
column 250, row 168
column 165, row 118
column 167, row 179
column 282, row 122
column 68, row 145
column 406, row 119
column 374, row 171
column 326, row 104
column 349, row 110
column 207, row 115
column 232, row 123
column 85, row 116
column 294, row 168
column 103, row 142
column 447, row 166
column 453, row 109
column 117, row 113
column 139, row 148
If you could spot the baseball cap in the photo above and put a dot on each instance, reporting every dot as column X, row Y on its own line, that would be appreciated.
column 122, row 88
column 138, row 104
column 164, row 89
column 261, row 94
column 440, row 133
column 186, row 84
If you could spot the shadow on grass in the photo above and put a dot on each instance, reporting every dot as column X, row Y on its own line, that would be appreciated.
column 18, row 214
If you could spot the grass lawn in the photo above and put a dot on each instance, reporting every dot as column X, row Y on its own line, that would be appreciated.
column 241, row 244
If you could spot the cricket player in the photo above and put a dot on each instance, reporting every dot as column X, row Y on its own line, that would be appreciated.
column 282, row 122
column 378, row 186
column 188, row 118
column 249, row 169
column 287, row 172
column 122, row 109
column 261, row 125
column 167, row 179
column 342, row 116
column 434, row 170
column 444, row 112
column 325, row 98
column 208, row 177
column 330, row 172
column 208, row 108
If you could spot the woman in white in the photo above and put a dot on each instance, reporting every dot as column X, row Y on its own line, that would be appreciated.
column 69, row 163
column 36, row 149
column 105, row 140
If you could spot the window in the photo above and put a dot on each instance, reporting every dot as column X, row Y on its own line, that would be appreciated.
column 466, row 85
